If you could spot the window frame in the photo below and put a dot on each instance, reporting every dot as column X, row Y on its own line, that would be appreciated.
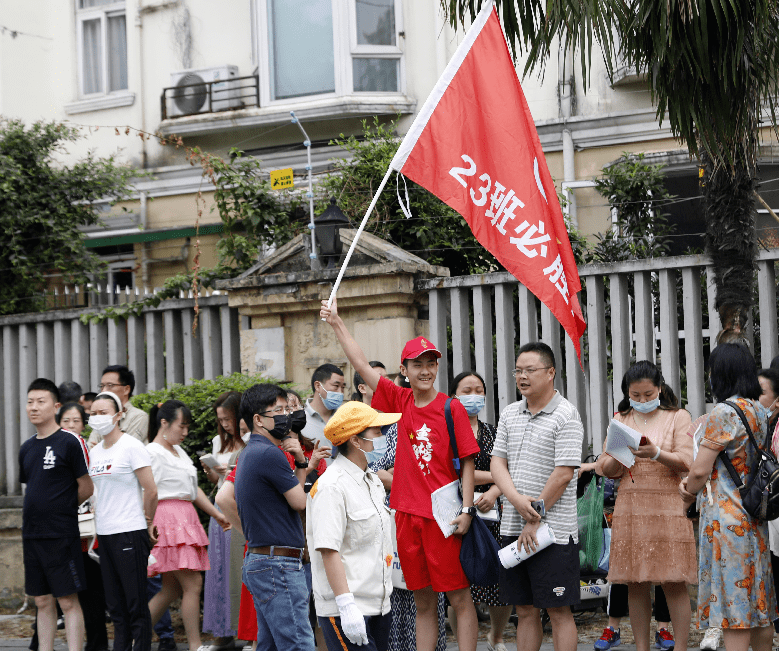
column 345, row 50
column 103, row 13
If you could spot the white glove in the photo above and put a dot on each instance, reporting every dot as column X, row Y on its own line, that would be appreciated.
column 352, row 621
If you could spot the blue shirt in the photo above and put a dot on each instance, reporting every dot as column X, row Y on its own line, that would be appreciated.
column 262, row 479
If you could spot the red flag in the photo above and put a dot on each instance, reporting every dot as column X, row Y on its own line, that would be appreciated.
column 475, row 146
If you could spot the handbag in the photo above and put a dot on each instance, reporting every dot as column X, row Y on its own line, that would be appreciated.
column 479, row 549
column 86, row 525
column 760, row 496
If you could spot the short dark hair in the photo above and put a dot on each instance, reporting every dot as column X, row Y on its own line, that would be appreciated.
column 460, row 377
column 169, row 410
column 126, row 376
column 323, row 373
column 70, row 391
column 775, row 362
column 43, row 384
column 646, row 370
column 733, row 371
column 67, row 407
column 89, row 395
column 772, row 375
column 256, row 400
column 356, row 395
column 547, row 355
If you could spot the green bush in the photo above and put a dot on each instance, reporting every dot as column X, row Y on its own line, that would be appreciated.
column 200, row 397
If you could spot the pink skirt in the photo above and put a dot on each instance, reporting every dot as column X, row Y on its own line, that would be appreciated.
column 182, row 544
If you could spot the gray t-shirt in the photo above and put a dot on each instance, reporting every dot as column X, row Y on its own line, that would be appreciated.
column 533, row 446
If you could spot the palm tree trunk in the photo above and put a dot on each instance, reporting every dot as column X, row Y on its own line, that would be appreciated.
column 731, row 241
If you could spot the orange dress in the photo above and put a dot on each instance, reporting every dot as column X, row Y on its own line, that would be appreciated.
column 651, row 539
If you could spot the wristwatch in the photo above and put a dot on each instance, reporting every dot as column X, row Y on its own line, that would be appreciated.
column 299, row 464
column 470, row 510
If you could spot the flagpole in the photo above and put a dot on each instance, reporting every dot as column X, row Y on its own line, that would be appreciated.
column 357, row 236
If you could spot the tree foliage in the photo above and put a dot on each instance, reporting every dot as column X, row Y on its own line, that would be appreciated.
column 43, row 202
column 435, row 232
column 636, row 193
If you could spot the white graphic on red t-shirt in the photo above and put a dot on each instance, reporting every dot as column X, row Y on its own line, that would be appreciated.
column 423, row 449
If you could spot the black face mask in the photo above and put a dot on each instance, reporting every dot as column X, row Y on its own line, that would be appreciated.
column 280, row 427
column 297, row 420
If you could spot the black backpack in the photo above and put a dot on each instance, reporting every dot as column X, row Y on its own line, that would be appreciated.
column 761, row 496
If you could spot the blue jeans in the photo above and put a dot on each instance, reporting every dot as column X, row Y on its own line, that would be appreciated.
column 164, row 627
column 278, row 588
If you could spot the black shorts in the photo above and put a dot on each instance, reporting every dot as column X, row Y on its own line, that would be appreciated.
column 547, row 580
column 53, row 566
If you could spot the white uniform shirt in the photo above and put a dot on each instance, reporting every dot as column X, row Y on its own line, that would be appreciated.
column 345, row 511
column 118, row 495
column 175, row 476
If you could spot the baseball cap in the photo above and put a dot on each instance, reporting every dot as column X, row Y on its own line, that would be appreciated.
column 417, row 347
column 354, row 418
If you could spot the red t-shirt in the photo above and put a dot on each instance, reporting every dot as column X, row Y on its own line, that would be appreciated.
column 423, row 459
column 231, row 475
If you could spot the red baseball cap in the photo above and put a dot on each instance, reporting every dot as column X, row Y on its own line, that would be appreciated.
column 417, row 347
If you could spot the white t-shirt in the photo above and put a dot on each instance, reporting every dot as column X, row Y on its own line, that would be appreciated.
column 175, row 476
column 223, row 458
column 118, row 495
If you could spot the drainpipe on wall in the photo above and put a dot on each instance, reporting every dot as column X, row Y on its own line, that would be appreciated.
column 565, row 87
column 144, row 254
column 141, row 82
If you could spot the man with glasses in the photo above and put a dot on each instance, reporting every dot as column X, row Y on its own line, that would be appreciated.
column 270, row 496
column 120, row 380
column 535, row 458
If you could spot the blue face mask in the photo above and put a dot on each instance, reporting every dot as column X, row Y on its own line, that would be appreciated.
column 332, row 400
column 645, row 407
column 379, row 448
column 472, row 402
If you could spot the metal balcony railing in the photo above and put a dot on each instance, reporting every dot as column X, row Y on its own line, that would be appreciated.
column 210, row 96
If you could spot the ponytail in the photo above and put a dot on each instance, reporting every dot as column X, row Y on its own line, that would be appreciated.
column 646, row 370
column 169, row 410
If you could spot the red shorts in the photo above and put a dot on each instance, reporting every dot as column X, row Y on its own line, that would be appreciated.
column 427, row 558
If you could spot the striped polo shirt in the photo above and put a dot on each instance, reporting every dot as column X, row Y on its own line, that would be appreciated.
column 533, row 446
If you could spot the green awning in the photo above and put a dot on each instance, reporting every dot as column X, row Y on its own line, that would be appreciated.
column 156, row 235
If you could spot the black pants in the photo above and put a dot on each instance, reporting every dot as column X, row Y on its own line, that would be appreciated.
column 92, row 602
column 123, row 561
column 618, row 603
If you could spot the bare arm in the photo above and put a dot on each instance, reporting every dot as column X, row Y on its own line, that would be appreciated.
column 463, row 521
column 556, row 484
column 608, row 466
column 352, row 349
column 296, row 497
column 701, row 469
column 85, row 488
column 225, row 500
column 386, row 478
column 334, row 569
column 499, row 468
column 146, row 480
column 482, row 477
column 204, row 504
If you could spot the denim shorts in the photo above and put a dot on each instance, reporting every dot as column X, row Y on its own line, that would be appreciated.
column 280, row 594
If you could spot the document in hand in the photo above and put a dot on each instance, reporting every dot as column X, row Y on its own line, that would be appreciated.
column 619, row 439
column 447, row 504
column 696, row 432
column 489, row 516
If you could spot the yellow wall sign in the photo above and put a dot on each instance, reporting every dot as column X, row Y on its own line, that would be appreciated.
column 280, row 179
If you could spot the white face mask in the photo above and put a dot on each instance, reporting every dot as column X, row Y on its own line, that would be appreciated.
column 103, row 425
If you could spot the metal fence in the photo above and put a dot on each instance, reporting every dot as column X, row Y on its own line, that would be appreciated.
column 157, row 346
column 661, row 310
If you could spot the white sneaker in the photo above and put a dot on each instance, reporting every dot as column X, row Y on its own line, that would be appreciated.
column 712, row 640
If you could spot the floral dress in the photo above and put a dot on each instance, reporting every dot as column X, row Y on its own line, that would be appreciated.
column 735, row 589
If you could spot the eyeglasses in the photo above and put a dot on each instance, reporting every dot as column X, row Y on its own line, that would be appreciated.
column 109, row 386
column 527, row 372
column 278, row 411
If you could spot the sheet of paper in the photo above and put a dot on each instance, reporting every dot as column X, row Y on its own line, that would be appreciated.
column 446, row 506
column 696, row 430
column 512, row 555
column 619, row 439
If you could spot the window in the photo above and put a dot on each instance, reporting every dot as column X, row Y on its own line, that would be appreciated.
column 102, row 43
column 314, row 48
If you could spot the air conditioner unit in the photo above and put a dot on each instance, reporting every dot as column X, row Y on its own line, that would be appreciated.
column 189, row 93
